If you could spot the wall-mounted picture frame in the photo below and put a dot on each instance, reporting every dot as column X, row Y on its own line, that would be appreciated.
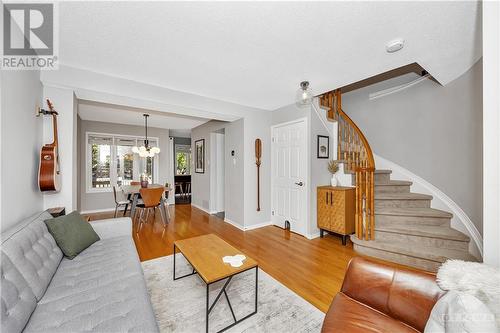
column 323, row 146
column 199, row 158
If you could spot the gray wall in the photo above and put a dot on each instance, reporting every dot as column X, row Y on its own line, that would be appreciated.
column 318, row 172
column 257, row 125
column 233, row 189
column 431, row 130
column 99, row 201
column 234, row 193
column 21, row 140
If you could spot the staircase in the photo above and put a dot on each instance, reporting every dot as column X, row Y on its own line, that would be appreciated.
column 392, row 223
column 408, row 231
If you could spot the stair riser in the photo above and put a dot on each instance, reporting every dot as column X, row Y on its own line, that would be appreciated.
column 392, row 189
column 427, row 265
column 401, row 203
column 413, row 240
column 382, row 177
column 393, row 220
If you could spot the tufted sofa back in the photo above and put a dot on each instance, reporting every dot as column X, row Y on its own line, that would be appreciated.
column 30, row 257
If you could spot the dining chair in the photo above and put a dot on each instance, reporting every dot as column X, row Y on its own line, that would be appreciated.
column 187, row 190
column 181, row 188
column 119, row 203
column 151, row 198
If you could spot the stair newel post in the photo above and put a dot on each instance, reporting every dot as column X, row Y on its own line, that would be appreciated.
column 372, row 204
column 368, row 208
column 339, row 138
column 357, row 215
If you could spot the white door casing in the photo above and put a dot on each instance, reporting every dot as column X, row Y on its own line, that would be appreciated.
column 289, row 165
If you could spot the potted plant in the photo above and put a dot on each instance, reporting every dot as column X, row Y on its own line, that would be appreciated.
column 333, row 167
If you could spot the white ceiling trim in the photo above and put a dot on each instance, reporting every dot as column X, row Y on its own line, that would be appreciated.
column 103, row 88
column 133, row 116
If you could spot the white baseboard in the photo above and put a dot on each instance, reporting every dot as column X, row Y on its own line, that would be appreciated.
column 103, row 210
column 460, row 220
column 203, row 209
column 234, row 224
column 259, row 225
column 312, row 236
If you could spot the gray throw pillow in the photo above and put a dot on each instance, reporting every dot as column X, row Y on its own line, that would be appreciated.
column 71, row 233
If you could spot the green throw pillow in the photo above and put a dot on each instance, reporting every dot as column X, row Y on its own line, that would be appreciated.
column 72, row 233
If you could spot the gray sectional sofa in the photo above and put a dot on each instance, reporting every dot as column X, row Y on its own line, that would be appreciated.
column 100, row 290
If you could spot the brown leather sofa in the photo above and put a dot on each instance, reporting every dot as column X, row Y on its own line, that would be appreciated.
column 380, row 298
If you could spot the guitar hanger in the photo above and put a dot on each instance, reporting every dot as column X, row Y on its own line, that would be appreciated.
column 39, row 111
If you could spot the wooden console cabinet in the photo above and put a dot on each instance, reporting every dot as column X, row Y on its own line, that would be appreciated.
column 336, row 209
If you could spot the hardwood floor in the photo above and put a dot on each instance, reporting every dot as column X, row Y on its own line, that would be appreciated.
column 314, row 269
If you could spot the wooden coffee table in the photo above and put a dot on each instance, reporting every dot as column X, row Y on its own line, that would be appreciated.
column 205, row 254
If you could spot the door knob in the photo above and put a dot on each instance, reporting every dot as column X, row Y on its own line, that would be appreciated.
column 300, row 183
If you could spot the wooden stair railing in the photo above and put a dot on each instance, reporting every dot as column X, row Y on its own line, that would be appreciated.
column 354, row 150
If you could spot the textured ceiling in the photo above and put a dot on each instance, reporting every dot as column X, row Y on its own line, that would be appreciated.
column 256, row 53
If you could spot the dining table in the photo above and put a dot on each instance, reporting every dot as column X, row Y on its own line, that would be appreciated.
column 132, row 192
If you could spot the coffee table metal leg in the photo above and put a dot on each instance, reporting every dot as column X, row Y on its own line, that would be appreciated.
column 256, row 286
column 223, row 290
column 180, row 277
column 230, row 307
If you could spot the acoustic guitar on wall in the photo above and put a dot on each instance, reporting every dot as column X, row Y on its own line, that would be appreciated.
column 49, row 173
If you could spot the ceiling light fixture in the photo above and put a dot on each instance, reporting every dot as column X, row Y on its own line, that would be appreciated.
column 146, row 150
column 304, row 95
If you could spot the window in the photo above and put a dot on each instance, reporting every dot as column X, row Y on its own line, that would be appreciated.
column 110, row 161
column 124, row 161
column 182, row 160
column 100, row 162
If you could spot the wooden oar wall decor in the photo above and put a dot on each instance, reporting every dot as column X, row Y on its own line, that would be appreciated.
column 258, row 155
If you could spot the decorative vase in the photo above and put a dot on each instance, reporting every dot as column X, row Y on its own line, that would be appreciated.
column 333, row 181
column 144, row 183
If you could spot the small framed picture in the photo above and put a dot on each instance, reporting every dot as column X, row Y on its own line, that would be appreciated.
column 323, row 146
column 199, row 156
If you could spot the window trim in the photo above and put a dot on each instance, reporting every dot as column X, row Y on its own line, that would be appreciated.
column 112, row 172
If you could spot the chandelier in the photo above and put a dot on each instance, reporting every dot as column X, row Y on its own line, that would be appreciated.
column 146, row 150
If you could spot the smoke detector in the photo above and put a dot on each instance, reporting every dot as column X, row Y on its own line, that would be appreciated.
column 394, row 45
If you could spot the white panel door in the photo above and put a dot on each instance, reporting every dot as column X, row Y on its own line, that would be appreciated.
column 289, row 173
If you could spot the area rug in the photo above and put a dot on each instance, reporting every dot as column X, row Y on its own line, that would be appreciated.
column 180, row 305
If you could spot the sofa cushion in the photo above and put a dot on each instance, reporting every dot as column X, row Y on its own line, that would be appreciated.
column 34, row 252
column 18, row 301
column 72, row 233
column 100, row 290
column 349, row 315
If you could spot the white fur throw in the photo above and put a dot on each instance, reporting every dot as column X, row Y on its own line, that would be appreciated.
column 460, row 313
column 476, row 279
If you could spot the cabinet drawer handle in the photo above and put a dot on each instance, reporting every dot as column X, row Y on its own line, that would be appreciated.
column 326, row 198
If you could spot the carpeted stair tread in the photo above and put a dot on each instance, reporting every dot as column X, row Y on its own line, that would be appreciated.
column 394, row 183
column 377, row 171
column 431, row 231
column 427, row 253
column 418, row 212
column 402, row 196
